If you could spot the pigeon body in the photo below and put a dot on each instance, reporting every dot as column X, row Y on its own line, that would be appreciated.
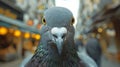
column 94, row 50
column 56, row 47
column 81, row 50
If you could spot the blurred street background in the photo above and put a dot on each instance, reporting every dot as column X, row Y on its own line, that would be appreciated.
column 21, row 21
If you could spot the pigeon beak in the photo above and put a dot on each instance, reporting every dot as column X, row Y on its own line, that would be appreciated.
column 59, row 35
column 59, row 44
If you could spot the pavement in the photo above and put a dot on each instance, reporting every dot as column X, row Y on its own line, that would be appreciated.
column 15, row 63
column 109, row 63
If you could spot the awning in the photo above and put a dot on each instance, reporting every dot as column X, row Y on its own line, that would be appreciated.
column 106, row 14
column 5, row 21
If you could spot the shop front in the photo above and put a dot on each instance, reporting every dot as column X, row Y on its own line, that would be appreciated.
column 107, row 26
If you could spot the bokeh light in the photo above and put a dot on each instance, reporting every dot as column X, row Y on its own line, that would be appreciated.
column 27, row 35
column 100, row 30
column 3, row 30
column 17, row 33
column 37, row 37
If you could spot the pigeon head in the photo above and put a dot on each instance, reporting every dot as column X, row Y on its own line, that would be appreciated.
column 60, row 22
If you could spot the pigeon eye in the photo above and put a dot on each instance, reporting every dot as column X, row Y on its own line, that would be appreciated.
column 72, row 21
column 44, row 21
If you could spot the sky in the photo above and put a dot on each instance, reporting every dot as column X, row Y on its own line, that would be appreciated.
column 72, row 5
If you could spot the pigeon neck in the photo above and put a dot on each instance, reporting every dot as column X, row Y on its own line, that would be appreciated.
column 68, row 56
